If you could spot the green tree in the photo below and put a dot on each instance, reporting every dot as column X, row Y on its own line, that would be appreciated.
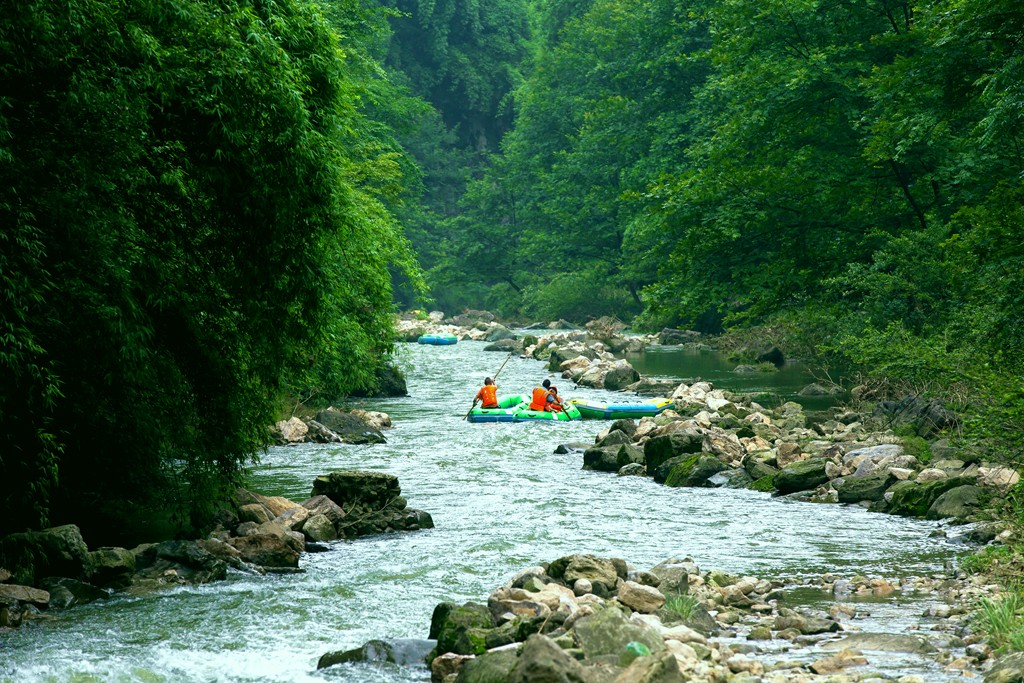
column 195, row 221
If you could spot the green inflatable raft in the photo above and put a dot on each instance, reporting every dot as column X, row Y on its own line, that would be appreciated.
column 517, row 409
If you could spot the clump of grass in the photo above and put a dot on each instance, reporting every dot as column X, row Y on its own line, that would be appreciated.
column 985, row 559
column 1002, row 621
column 914, row 445
column 682, row 605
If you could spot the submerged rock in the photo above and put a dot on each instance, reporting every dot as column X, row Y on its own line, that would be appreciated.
column 401, row 651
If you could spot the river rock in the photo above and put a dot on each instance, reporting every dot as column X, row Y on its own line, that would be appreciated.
column 541, row 659
column 348, row 427
column 805, row 624
column 846, row 658
column 694, row 471
column 289, row 431
column 267, row 549
column 620, row 375
column 674, row 575
column 401, row 651
column 787, row 454
column 319, row 528
column 872, row 487
column 615, row 437
column 958, row 503
column 349, row 488
column 1007, row 669
column 597, row 570
column 602, row 458
column 184, row 560
column 608, row 631
column 24, row 594
column 111, row 567
column 913, row 499
column 640, row 598
column 461, row 630
column 32, row 556
column 997, row 477
column 659, row 449
column 65, row 592
column 661, row 668
column 882, row 642
column 801, row 476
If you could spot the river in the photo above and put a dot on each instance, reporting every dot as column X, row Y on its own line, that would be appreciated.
column 501, row 501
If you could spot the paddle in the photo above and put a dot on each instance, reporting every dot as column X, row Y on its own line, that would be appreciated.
column 495, row 378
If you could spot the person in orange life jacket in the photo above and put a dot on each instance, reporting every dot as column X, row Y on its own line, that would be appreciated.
column 540, row 397
column 488, row 395
column 554, row 400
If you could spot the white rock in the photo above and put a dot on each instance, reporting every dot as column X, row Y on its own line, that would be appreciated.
column 683, row 634
column 293, row 430
column 639, row 597
column 931, row 474
column 997, row 477
column 715, row 404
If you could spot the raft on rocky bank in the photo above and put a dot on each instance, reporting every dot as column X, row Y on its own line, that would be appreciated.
column 592, row 410
column 517, row 409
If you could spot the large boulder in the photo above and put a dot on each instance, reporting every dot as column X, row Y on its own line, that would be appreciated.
column 111, row 567
column 597, row 570
column 608, row 631
column 460, row 629
column 914, row 499
column 801, row 476
column 1007, row 669
column 612, row 458
column 350, row 428
column 959, row 503
column 662, row 448
column 883, row 642
column 542, row 660
column 491, row 667
column 620, row 376
column 35, row 555
column 871, row 487
column 267, row 549
column 925, row 416
column 695, row 471
column 185, row 560
column 352, row 488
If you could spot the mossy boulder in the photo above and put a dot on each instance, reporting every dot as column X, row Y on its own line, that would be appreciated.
column 608, row 631
column 662, row 448
column 490, row 667
column 35, row 555
column 612, row 458
column 959, row 503
column 801, row 476
column 871, row 487
column 695, row 471
column 765, row 484
column 914, row 499
column 461, row 629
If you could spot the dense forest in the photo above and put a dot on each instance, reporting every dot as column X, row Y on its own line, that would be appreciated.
column 211, row 204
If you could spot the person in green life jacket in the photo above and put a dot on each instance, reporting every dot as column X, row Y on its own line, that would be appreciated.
column 488, row 395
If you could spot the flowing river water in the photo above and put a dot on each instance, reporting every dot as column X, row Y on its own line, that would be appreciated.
column 501, row 501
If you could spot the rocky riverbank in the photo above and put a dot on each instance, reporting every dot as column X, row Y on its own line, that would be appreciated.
column 53, row 569
column 715, row 438
column 588, row 619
